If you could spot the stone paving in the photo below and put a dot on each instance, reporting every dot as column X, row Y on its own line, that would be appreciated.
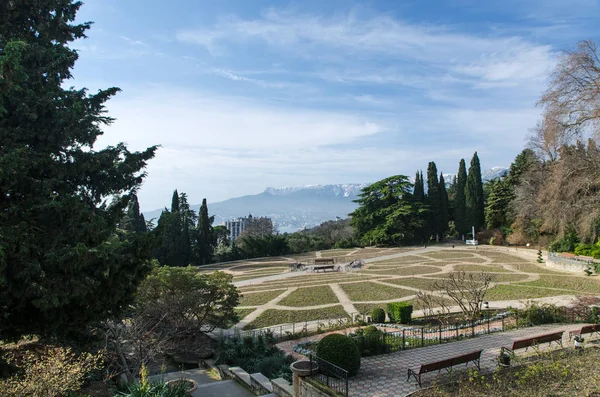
column 385, row 375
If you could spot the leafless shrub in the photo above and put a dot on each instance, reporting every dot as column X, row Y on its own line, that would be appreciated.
column 466, row 289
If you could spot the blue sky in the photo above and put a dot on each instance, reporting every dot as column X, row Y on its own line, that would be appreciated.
column 253, row 93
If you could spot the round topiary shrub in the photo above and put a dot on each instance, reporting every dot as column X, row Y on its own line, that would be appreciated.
column 378, row 315
column 341, row 351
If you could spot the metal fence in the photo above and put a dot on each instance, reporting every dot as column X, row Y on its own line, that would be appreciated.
column 413, row 337
column 295, row 330
column 328, row 374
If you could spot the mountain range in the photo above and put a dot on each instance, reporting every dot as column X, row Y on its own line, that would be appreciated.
column 299, row 207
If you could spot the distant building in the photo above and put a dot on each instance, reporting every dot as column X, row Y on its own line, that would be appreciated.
column 254, row 226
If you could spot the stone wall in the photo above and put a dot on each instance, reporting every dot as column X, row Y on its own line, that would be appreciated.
column 309, row 390
column 562, row 263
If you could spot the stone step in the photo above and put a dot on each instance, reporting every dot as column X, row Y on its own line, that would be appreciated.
column 259, row 381
column 241, row 375
column 282, row 387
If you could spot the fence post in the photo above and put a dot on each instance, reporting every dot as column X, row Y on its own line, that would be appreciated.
column 517, row 317
column 403, row 338
column 502, row 323
column 472, row 328
column 456, row 326
column 440, row 331
column 488, row 325
column 422, row 337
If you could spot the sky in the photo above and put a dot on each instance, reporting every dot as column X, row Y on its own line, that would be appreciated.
column 245, row 94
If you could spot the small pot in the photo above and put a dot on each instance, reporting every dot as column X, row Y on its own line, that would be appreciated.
column 504, row 359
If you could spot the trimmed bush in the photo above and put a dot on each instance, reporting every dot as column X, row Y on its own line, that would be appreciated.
column 340, row 350
column 369, row 341
column 378, row 315
column 400, row 312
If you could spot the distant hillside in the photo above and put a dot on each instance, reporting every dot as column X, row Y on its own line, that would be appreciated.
column 291, row 208
column 296, row 208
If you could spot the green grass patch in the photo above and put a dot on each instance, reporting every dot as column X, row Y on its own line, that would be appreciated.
column 481, row 268
column 448, row 255
column 571, row 283
column 409, row 259
column 275, row 317
column 414, row 282
column 499, row 278
column 402, row 271
column 533, row 268
column 311, row 296
column 243, row 312
column 518, row 292
column 367, row 308
column 368, row 291
column 260, row 298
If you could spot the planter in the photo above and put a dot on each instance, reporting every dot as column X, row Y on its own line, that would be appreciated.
column 304, row 367
column 192, row 385
column 504, row 359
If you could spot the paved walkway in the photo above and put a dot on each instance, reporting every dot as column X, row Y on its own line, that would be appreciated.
column 385, row 375
column 208, row 386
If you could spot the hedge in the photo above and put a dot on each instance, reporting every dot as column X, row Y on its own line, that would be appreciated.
column 378, row 315
column 400, row 312
column 340, row 350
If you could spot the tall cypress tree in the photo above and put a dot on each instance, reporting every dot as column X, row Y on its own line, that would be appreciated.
column 61, row 196
column 175, row 202
column 134, row 221
column 419, row 190
column 460, row 211
column 206, row 239
column 434, row 200
column 444, row 204
column 475, row 206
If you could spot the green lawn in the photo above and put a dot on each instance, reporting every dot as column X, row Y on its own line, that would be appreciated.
column 410, row 259
column 498, row 277
column 259, row 298
column 572, row 283
column 481, row 268
column 305, row 282
column 274, row 317
column 401, row 271
column 449, row 255
column 311, row 296
column 414, row 282
column 243, row 312
column 368, row 291
column 367, row 308
column 533, row 268
column 508, row 292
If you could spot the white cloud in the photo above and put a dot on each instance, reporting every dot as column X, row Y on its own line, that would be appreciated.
column 178, row 119
column 434, row 49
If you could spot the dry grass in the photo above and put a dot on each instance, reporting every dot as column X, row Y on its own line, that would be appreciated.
column 401, row 271
column 373, row 292
column 481, row 268
column 311, row 296
column 414, row 282
column 517, row 292
column 275, row 317
column 571, row 283
column 260, row 298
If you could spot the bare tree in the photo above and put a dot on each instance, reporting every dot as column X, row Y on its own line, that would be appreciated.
column 466, row 289
column 432, row 305
column 573, row 96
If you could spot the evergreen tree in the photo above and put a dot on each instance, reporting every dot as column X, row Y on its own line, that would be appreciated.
column 434, row 201
column 134, row 221
column 419, row 189
column 175, row 202
column 387, row 212
column 206, row 236
column 62, row 264
column 500, row 194
column 474, row 195
column 444, row 205
column 460, row 211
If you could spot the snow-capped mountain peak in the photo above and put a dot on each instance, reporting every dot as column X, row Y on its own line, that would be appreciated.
column 340, row 190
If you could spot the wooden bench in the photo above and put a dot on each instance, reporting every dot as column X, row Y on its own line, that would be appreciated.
column 324, row 261
column 447, row 364
column 586, row 329
column 536, row 340
column 324, row 268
